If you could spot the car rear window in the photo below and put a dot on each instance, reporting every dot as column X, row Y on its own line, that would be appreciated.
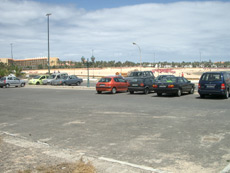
column 211, row 77
column 105, row 80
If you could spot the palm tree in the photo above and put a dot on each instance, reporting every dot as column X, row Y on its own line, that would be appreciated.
column 83, row 59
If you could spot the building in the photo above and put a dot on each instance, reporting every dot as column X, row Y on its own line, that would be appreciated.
column 32, row 63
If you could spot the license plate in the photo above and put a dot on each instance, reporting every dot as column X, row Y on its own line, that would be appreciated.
column 162, row 86
column 134, row 84
column 102, row 84
column 210, row 86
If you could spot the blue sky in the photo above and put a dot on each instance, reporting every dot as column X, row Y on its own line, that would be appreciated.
column 169, row 31
column 99, row 4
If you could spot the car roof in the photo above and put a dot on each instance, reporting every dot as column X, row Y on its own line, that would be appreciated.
column 217, row 72
column 112, row 76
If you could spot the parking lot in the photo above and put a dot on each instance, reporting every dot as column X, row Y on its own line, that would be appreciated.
column 168, row 133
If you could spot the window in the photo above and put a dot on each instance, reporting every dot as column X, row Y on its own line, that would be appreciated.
column 180, row 80
column 185, row 80
column 105, row 80
column 211, row 77
column 121, row 80
column 116, row 79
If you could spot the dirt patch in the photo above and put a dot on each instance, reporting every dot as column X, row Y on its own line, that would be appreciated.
column 79, row 167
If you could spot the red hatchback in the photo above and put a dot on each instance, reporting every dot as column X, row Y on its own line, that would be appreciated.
column 111, row 84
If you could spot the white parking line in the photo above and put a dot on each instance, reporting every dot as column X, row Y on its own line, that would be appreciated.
column 132, row 165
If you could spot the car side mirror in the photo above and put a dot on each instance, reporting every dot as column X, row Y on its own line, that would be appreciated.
column 189, row 81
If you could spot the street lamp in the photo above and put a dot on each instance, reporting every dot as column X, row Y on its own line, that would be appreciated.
column 48, row 14
column 11, row 44
column 140, row 52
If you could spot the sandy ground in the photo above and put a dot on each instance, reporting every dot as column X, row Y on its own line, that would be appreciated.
column 191, row 73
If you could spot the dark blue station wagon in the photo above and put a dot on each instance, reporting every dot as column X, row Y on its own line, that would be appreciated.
column 214, row 83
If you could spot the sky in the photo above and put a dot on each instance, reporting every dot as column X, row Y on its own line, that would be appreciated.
column 169, row 30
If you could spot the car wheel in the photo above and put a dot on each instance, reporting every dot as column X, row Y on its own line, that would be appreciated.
column 179, row 92
column 202, row 96
column 114, row 90
column 1, row 86
column 78, row 83
column 99, row 92
column 191, row 91
column 146, row 91
column 37, row 83
column 7, row 86
column 159, row 94
column 22, row 84
column 226, row 94
column 131, row 92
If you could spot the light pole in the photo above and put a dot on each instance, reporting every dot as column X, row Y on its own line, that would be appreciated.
column 48, row 14
column 200, row 59
column 140, row 52
column 11, row 44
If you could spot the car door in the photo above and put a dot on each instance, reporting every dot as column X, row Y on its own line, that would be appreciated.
column 182, row 84
column 187, row 85
column 116, row 84
column 123, row 84
column 16, row 81
column 73, row 80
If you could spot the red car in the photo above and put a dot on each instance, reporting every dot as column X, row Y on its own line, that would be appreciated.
column 112, row 84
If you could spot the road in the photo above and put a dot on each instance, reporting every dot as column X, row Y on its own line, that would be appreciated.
column 175, row 134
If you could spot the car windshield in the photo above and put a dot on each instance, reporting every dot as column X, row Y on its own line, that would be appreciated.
column 168, row 79
column 105, row 80
column 36, row 77
column 211, row 77
column 136, row 74
column 51, row 77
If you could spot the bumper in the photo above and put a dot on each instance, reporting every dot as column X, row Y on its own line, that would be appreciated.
column 212, row 92
column 166, row 90
column 136, row 88
column 103, row 88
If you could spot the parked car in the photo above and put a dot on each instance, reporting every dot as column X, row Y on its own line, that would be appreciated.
column 111, row 84
column 214, row 83
column 173, row 85
column 37, row 80
column 52, row 77
column 141, row 84
column 67, row 80
column 9, row 81
column 139, row 74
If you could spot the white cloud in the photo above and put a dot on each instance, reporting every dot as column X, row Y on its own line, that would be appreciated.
column 174, row 31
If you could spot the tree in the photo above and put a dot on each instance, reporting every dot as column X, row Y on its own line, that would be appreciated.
column 83, row 59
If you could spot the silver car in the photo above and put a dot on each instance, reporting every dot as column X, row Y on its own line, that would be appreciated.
column 68, row 80
column 12, row 81
column 52, row 77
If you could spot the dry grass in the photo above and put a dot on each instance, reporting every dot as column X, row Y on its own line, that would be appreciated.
column 79, row 167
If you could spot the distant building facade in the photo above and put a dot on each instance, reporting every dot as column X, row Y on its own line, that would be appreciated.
column 33, row 63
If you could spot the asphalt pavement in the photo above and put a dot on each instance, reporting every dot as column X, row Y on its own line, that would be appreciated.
column 168, row 133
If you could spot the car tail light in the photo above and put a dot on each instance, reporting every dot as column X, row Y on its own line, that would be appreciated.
column 142, row 84
column 223, row 86
column 4, row 81
column 154, row 86
column 128, row 84
column 199, row 85
column 170, row 86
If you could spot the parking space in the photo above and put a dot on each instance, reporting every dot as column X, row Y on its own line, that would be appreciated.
column 168, row 133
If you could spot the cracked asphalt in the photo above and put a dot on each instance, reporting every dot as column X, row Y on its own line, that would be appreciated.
column 174, row 134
